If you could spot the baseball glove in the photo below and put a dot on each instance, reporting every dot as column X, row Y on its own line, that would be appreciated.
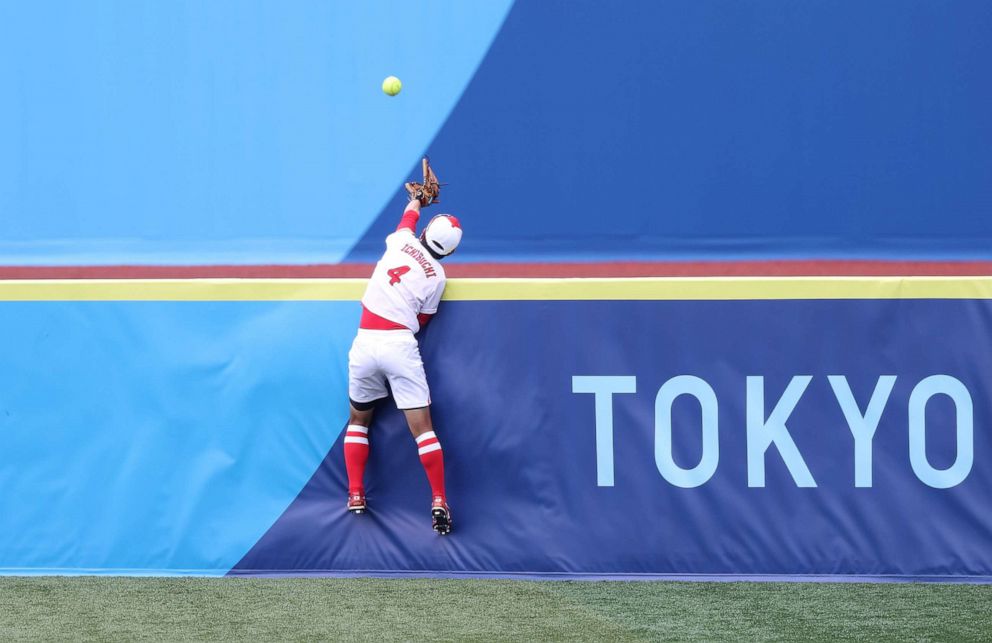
column 427, row 192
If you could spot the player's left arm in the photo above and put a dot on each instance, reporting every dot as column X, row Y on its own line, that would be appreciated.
column 429, row 309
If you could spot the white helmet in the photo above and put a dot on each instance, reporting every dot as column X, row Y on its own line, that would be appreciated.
column 442, row 234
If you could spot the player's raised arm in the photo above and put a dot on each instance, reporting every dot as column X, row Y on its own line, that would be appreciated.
column 410, row 217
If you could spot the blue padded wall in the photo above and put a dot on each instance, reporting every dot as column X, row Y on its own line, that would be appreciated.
column 137, row 132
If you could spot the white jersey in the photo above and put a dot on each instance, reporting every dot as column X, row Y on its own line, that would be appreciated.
column 407, row 281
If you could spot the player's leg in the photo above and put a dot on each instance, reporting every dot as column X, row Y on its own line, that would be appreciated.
column 428, row 447
column 366, row 385
column 405, row 371
column 356, row 453
column 432, row 459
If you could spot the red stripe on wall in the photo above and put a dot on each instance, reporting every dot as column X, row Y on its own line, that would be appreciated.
column 522, row 270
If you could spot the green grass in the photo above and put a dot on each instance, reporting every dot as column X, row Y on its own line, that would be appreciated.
column 372, row 609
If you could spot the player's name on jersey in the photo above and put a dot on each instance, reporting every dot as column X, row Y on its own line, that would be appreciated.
column 418, row 255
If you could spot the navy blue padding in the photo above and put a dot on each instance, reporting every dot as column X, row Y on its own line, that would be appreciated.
column 521, row 459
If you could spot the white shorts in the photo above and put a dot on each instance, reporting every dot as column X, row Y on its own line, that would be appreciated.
column 380, row 355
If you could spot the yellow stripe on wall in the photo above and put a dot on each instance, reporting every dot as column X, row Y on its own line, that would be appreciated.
column 723, row 288
column 648, row 288
column 182, row 290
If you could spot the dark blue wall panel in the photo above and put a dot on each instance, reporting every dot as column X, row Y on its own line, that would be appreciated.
column 528, row 495
column 724, row 129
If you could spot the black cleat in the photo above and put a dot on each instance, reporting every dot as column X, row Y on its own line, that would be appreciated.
column 440, row 516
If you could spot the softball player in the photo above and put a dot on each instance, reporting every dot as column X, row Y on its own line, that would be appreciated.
column 402, row 294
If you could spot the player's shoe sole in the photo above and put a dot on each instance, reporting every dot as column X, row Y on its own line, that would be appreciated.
column 441, row 519
column 356, row 505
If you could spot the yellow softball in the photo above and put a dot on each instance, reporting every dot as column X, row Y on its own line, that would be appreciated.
column 392, row 85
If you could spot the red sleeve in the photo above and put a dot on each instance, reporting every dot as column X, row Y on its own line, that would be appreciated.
column 409, row 221
column 423, row 318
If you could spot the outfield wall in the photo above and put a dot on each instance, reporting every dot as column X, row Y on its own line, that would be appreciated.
column 796, row 427
column 141, row 132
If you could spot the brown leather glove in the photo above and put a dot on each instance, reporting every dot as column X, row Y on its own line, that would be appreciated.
column 427, row 192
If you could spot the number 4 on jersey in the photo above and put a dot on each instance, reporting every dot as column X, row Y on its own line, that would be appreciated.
column 396, row 273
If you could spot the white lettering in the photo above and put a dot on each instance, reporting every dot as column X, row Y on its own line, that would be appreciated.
column 604, row 387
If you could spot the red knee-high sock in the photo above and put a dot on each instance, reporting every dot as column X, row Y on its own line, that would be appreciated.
column 432, row 458
column 356, row 454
